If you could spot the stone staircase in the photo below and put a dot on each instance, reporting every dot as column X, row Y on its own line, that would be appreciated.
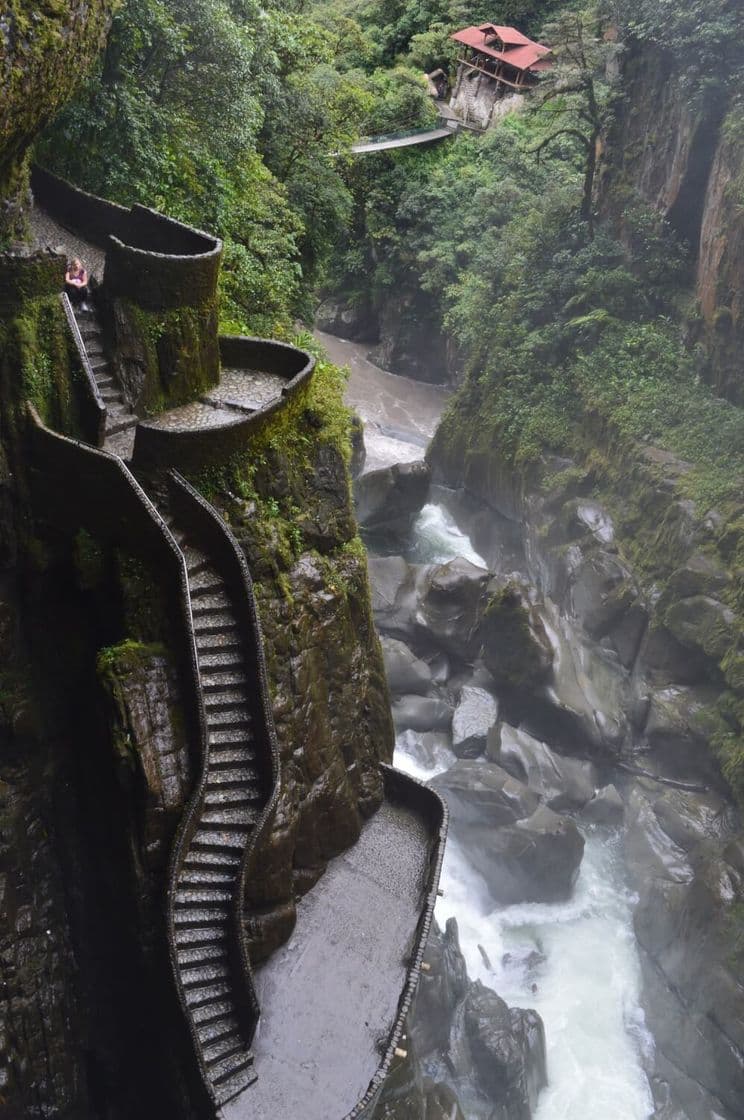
column 121, row 421
column 233, row 797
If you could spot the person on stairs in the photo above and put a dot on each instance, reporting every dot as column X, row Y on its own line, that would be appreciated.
column 76, row 283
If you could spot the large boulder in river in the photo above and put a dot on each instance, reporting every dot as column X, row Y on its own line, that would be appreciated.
column 406, row 673
column 508, row 1052
column 450, row 607
column 533, row 860
column 480, row 794
column 562, row 783
column 388, row 500
column 516, row 648
column 605, row 808
column 476, row 713
column 421, row 713
column 394, row 586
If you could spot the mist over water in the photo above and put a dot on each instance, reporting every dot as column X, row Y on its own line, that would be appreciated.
column 581, row 955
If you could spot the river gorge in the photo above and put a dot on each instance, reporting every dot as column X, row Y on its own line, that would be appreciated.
column 595, row 965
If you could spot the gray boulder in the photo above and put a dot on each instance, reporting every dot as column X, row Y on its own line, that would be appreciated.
column 450, row 607
column 480, row 794
column 516, row 648
column 476, row 713
column 406, row 673
column 533, row 860
column 508, row 1052
column 421, row 713
column 562, row 783
column 389, row 499
column 703, row 623
column 394, row 585
column 606, row 808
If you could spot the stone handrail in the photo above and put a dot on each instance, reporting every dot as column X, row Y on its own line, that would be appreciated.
column 74, row 484
column 414, row 794
column 191, row 449
column 208, row 531
column 151, row 259
column 93, row 403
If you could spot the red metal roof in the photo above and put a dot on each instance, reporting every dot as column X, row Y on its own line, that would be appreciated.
column 521, row 53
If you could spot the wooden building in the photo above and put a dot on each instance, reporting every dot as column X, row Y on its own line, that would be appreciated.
column 503, row 55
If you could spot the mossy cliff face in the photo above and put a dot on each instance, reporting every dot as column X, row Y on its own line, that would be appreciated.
column 677, row 148
column 45, row 49
column 288, row 503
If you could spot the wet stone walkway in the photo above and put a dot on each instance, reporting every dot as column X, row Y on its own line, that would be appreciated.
column 248, row 389
column 332, row 992
column 49, row 234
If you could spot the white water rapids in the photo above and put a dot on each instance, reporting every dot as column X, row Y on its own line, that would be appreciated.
column 587, row 973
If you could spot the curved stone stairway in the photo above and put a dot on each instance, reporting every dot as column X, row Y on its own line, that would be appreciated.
column 121, row 421
column 210, row 861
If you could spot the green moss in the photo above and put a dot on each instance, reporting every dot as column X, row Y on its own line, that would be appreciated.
column 125, row 658
column 179, row 351
column 144, row 605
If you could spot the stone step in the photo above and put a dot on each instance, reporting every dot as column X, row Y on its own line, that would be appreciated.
column 106, row 382
column 221, row 658
column 224, row 699
column 228, row 817
column 185, row 917
column 99, row 363
column 220, row 1070
column 231, row 737
column 237, row 1083
column 111, row 395
column 206, row 583
column 218, row 1029
column 205, row 878
column 221, row 1048
column 94, row 345
column 231, row 757
column 214, row 798
column 203, row 896
column 229, row 717
column 120, row 424
column 205, row 604
column 213, row 643
column 203, row 936
column 211, row 859
column 218, row 680
column 212, row 1012
column 199, row 997
column 240, row 776
column 196, row 559
column 202, row 975
column 202, row 954
column 224, row 840
column 214, row 622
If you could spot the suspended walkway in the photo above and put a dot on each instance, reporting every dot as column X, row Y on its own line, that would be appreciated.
column 336, row 997
column 410, row 139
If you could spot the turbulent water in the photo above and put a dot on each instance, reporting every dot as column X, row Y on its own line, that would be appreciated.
column 576, row 962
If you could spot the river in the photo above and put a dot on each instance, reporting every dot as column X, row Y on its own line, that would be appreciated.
column 576, row 962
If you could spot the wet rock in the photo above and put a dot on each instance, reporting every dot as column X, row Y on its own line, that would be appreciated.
column 516, row 649
column 476, row 713
column 699, row 575
column 450, row 607
column 388, row 500
column 562, row 783
column 346, row 321
column 440, row 990
column 675, row 734
column 606, row 808
column 508, row 1049
column 405, row 672
column 394, row 586
column 685, row 870
column 421, row 713
column 533, row 860
column 663, row 659
column 703, row 623
column 480, row 794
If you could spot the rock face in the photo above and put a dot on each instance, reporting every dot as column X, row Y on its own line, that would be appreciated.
column 475, row 715
column 388, row 500
column 562, row 783
column 450, row 606
column 479, row 1050
column 43, row 55
column 524, row 851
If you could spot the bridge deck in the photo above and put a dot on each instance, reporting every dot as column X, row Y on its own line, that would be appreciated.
column 332, row 992
column 429, row 137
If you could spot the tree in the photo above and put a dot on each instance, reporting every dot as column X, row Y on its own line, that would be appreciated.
column 574, row 94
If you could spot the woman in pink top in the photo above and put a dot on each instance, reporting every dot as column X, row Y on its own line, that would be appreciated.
column 76, row 282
